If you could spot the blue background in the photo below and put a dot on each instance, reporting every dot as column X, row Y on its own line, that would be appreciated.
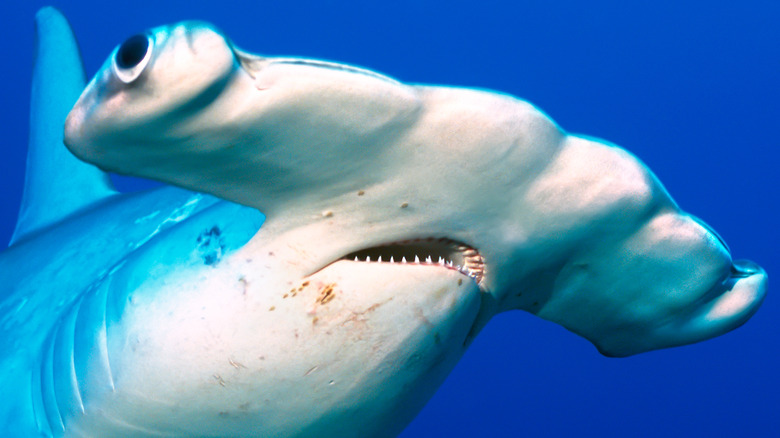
column 689, row 87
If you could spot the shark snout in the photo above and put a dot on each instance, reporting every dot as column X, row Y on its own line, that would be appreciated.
column 726, row 306
column 744, row 290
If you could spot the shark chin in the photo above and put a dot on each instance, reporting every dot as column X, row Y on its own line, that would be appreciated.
column 336, row 240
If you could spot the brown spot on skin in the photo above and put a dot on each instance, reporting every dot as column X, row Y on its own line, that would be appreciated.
column 460, row 281
column 327, row 213
column 285, row 295
column 304, row 284
column 271, row 253
column 404, row 205
column 314, row 320
column 224, row 414
column 272, row 308
column 361, row 193
column 327, row 293
column 244, row 406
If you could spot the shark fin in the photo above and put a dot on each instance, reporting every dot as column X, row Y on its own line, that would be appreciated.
column 56, row 183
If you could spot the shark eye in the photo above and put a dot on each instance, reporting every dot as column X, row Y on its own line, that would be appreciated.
column 132, row 56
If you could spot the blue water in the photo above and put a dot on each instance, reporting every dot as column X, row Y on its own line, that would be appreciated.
column 690, row 88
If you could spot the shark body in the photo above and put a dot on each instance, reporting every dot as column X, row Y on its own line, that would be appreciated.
column 199, row 325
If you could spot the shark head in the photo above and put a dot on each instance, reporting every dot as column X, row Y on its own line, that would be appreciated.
column 351, row 166
column 406, row 216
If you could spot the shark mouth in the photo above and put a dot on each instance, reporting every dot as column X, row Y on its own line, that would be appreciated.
column 440, row 252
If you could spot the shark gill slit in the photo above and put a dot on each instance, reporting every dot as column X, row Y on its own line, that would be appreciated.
column 67, row 392
column 92, row 370
column 38, row 403
column 53, row 417
column 431, row 251
column 68, row 371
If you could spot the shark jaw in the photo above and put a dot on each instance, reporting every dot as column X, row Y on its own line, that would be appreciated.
column 435, row 252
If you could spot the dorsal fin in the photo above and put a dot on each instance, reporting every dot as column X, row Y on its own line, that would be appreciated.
column 56, row 183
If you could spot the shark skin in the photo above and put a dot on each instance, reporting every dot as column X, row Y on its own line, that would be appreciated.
column 187, row 330
column 355, row 171
column 341, row 159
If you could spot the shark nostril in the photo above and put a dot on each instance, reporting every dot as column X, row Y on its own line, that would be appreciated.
column 743, row 269
column 132, row 51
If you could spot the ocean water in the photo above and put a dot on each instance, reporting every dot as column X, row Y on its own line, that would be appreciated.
column 689, row 87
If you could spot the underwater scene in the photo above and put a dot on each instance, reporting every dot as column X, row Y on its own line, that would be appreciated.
column 690, row 88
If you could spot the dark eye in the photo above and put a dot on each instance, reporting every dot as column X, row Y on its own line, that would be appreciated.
column 132, row 51
column 132, row 56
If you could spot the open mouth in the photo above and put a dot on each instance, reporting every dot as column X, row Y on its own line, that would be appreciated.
column 439, row 252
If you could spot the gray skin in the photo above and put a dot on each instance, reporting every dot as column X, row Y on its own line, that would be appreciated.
column 287, row 338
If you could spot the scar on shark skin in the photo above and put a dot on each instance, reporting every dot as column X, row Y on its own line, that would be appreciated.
column 244, row 284
column 327, row 293
column 234, row 364
column 359, row 317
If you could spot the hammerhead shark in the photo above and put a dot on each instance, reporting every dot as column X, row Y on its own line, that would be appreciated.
column 396, row 221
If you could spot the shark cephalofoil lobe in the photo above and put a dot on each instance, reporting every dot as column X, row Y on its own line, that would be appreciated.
column 399, row 220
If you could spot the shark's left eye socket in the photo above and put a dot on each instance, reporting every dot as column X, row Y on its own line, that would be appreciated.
column 131, row 57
